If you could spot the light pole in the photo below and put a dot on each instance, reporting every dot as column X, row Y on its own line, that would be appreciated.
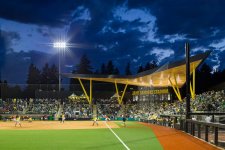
column 60, row 46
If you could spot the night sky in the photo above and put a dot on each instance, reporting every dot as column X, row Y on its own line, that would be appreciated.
column 120, row 30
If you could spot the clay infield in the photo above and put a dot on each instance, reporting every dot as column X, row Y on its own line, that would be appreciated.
column 54, row 125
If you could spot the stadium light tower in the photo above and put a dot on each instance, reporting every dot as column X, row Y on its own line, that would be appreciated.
column 60, row 46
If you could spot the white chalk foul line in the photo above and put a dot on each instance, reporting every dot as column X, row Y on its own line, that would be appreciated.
column 117, row 136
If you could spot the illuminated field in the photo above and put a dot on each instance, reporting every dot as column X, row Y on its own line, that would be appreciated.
column 81, row 135
column 56, row 136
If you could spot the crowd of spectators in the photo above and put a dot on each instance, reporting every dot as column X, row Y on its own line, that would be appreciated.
column 12, row 105
column 208, row 101
column 108, row 107
column 43, row 106
column 72, row 109
column 77, row 110
column 29, row 106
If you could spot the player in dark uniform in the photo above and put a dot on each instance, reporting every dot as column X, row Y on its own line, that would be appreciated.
column 124, row 120
column 63, row 117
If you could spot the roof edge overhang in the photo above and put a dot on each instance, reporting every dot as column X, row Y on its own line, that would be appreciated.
column 169, row 65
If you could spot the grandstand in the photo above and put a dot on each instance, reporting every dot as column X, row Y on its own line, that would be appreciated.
column 151, row 112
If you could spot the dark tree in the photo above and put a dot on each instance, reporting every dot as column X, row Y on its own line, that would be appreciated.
column 103, row 69
column 34, row 75
column 203, row 78
column 153, row 65
column 0, row 89
column 140, row 69
column 116, row 71
column 217, row 77
column 15, row 91
column 49, row 75
column 147, row 66
column 127, row 69
column 73, row 82
column 205, row 69
column 4, row 89
column 223, row 74
column 53, row 78
column 84, row 66
column 96, row 71
column 110, row 67
column 2, row 52
column 33, row 80
column 54, row 75
column 45, row 74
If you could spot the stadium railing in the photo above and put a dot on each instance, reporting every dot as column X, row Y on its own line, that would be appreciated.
column 207, row 128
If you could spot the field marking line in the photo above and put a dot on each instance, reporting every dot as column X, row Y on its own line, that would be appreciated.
column 117, row 136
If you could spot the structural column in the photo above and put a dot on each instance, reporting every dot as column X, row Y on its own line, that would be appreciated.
column 89, row 98
column 175, row 88
column 187, row 52
column 120, row 99
column 192, row 87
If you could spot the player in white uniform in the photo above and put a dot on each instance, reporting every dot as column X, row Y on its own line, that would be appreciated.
column 63, row 118
column 17, row 120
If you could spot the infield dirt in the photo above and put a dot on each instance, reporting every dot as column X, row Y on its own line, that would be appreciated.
column 54, row 125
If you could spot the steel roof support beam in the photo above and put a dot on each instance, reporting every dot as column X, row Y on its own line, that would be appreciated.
column 192, row 88
column 120, row 99
column 175, row 88
column 89, row 98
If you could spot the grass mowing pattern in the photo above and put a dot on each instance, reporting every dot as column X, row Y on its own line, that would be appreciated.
column 136, row 136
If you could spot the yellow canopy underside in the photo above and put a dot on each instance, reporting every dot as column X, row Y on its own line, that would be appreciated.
column 156, row 79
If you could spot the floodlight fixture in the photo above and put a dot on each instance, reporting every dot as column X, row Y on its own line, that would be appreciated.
column 59, row 45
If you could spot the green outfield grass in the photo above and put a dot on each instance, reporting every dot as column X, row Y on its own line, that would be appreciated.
column 135, row 136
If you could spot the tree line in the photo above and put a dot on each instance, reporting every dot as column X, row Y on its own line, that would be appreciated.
column 47, row 77
column 84, row 67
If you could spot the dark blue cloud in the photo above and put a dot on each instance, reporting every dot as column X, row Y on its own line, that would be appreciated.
column 10, row 35
column 47, row 12
column 3, row 46
column 191, row 17
column 130, row 30
column 5, row 39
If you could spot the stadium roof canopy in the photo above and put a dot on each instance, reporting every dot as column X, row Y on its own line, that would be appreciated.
column 158, row 77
